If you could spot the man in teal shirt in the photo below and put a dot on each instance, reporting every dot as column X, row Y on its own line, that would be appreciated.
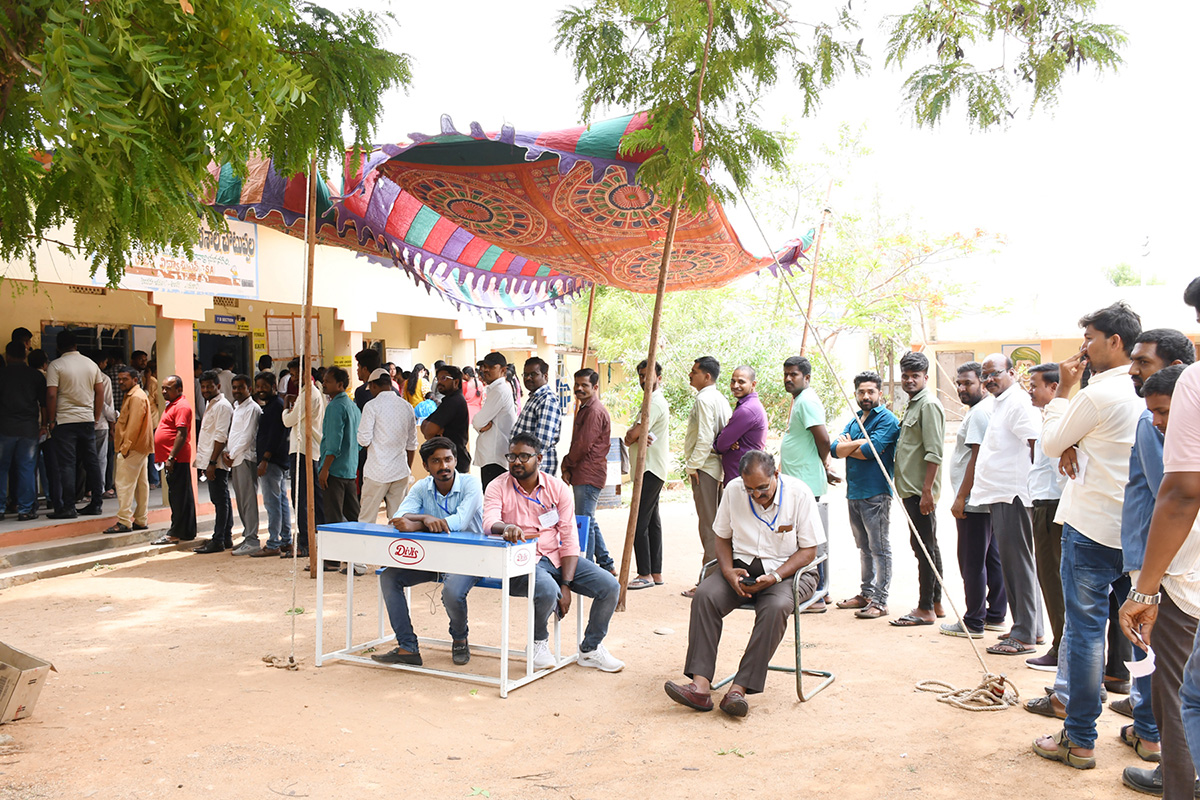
column 804, row 452
column 339, row 449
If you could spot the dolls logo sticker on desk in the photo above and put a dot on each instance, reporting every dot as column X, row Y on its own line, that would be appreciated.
column 406, row 552
column 521, row 557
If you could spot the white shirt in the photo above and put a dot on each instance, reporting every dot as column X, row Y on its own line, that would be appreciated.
column 214, row 428
column 972, row 430
column 709, row 415
column 1102, row 420
column 293, row 418
column 388, row 429
column 1002, row 470
column 1181, row 453
column 242, row 431
column 110, row 413
column 775, row 533
column 1045, row 481
column 498, row 408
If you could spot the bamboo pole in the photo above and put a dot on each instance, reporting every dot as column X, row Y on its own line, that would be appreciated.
column 587, row 330
column 639, row 468
column 306, row 364
column 812, row 286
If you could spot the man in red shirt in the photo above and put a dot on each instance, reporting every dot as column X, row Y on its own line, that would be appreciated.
column 585, row 467
column 173, row 449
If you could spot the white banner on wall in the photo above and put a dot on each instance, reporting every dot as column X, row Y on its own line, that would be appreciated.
column 225, row 264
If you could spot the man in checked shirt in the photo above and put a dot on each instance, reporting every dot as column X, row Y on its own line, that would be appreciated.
column 542, row 416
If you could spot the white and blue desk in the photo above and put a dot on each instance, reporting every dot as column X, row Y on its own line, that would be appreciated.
column 490, row 558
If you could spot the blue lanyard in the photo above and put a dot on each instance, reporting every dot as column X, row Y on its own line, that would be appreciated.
column 445, row 507
column 778, row 504
column 534, row 499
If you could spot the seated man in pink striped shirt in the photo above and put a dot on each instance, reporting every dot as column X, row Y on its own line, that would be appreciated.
column 530, row 504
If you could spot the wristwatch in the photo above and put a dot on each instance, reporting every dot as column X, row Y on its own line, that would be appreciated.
column 1145, row 599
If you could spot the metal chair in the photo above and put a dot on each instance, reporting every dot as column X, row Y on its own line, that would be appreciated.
column 799, row 670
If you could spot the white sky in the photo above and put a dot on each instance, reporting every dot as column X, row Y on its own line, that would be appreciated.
column 1073, row 190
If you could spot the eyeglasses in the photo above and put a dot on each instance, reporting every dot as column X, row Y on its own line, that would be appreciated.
column 524, row 458
column 759, row 491
column 987, row 376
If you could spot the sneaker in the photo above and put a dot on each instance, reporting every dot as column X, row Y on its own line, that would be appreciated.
column 246, row 547
column 461, row 651
column 957, row 629
column 359, row 570
column 542, row 657
column 995, row 626
column 601, row 659
column 396, row 656
column 1046, row 663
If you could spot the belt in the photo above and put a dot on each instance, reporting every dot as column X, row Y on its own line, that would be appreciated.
column 1044, row 503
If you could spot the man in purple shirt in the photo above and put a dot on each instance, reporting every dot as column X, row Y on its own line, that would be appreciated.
column 747, row 426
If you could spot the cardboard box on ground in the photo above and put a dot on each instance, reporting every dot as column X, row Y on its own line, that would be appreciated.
column 21, row 680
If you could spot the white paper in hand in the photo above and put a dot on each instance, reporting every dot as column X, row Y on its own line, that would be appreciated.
column 1140, row 669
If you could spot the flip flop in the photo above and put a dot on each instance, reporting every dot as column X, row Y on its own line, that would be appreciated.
column 165, row 540
column 1063, row 753
column 908, row 621
column 689, row 593
column 640, row 583
column 1011, row 647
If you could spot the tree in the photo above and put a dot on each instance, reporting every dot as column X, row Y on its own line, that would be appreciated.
column 1124, row 275
column 111, row 112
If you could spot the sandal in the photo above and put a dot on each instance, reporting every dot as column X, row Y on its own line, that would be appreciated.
column 165, row 540
column 1063, row 752
column 1011, row 647
column 872, row 611
column 1045, row 706
column 908, row 621
column 1133, row 740
column 689, row 593
column 640, row 583
column 118, row 528
column 858, row 601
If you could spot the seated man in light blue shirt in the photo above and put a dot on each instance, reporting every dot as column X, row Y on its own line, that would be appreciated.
column 445, row 501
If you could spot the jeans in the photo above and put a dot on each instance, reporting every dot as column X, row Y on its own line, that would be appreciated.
column 102, row 438
column 870, row 520
column 1089, row 570
column 279, row 512
column 926, row 528
column 585, row 506
column 77, row 440
column 19, row 455
column 218, row 493
column 1144, row 724
column 393, row 581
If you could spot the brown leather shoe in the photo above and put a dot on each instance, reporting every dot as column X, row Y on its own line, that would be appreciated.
column 688, row 695
column 734, row 704
column 265, row 552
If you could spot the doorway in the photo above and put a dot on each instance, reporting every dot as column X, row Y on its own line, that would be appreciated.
column 236, row 345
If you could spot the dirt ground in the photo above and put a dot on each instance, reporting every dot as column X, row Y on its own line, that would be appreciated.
column 161, row 691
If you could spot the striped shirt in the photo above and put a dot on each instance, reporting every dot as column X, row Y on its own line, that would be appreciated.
column 542, row 417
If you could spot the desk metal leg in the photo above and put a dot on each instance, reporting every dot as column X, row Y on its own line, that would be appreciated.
column 529, row 623
column 320, row 608
column 504, row 584
column 349, row 605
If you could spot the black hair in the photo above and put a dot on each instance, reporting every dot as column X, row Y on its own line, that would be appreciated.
column 1048, row 371
column 268, row 377
column 757, row 458
column 414, row 379
column 657, row 367
column 1191, row 295
column 454, row 373
column 65, row 341
column 709, row 365
column 1116, row 320
column 339, row 375
column 134, row 373
column 801, row 363
column 495, row 360
column 747, row 368
column 1163, row 382
column 589, row 373
column 541, row 365
column 15, row 350
column 914, row 362
column 971, row 366
column 868, row 376
column 1169, row 345
column 242, row 379
column 21, row 335
column 37, row 358
column 264, row 362
column 526, row 439
column 431, row 446
column 368, row 358
column 211, row 376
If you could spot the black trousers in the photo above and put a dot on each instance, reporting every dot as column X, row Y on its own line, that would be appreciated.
column 489, row 473
column 926, row 525
column 300, row 492
column 218, row 493
column 77, row 441
column 341, row 500
column 647, row 540
column 979, row 565
column 183, row 502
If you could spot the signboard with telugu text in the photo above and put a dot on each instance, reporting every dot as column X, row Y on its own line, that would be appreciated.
column 224, row 264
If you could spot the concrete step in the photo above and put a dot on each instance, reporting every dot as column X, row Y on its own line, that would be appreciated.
column 50, row 568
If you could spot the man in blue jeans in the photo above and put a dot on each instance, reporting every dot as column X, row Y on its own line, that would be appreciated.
column 22, row 404
column 868, row 494
column 585, row 466
column 1100, row 421
column 445, row 501
column 271, row 445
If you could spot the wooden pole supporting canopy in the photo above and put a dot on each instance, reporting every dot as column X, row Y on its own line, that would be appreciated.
column 307, row 362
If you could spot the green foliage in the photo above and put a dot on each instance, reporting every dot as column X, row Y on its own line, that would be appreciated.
column 1124, row 275
column 698, row 69
column 1048, row 37
column 112, row 111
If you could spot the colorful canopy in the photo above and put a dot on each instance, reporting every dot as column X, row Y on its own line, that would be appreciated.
column 511, row 221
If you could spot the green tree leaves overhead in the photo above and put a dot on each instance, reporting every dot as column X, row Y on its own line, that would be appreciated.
column 111, row 112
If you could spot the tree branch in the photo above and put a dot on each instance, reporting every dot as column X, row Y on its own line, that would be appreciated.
column 11, row 47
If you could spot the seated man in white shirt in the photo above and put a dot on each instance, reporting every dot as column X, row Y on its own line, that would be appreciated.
column 445, row 501
column 767, row 529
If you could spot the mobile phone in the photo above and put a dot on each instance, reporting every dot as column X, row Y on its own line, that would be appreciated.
column 747, row 580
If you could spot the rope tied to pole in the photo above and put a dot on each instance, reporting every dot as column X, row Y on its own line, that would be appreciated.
column 994, row 693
